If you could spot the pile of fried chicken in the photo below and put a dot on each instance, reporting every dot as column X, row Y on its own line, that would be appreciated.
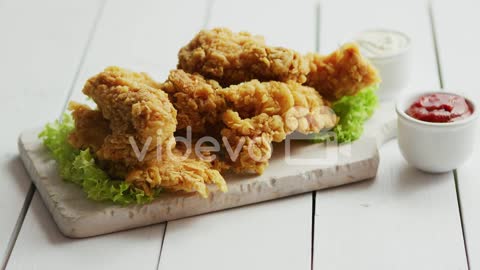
column 230, row 86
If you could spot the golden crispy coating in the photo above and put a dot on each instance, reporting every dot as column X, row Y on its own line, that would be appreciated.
column 93, row 132
column 254, row 137
column 91, row 128
column 249, row 115
column 311, row 113
column 232, row 58
column 134, row 108
column 301, row 107
column 254, row 97
column 196, row 99
column 200, row 103
column 131, row 106
column 342, row 73
column 177, row 173
column 262, row 112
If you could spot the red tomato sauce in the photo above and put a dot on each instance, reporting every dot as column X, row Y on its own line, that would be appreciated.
column 440, row 108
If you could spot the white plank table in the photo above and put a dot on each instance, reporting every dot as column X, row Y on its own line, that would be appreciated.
column 458, row 42
column 38, row 61
column 402, row 213
column 138, row 35
column 402, row 219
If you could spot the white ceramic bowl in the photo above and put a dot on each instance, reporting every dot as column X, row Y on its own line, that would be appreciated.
column 395, row 73
column 394, row 68
column 435, row 147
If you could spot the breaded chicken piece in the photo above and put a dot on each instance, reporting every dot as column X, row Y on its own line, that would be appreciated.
column 264, row 112
column 91, row 132
column 254, row 121
column 133, row 106
column 134, row 109
column 91, row 128
column 176, row 172
column 342, row 73
column 198, row 104
column 254, row 97
column 254, row 137
column 129, row 106
column 250, row 115
column 233, row 58
column 311, row 113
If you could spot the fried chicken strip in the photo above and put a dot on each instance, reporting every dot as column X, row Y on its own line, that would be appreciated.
column 90, row 132
column 129, row 106
column 177, row 172
column 91, row 128
column 200, row 103
column 134, row 107
column 342, row 73
column 197, row 101
column 249, row 116
column 232, row 58
column 266, row 112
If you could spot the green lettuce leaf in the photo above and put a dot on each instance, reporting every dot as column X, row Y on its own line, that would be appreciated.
column 79, row 167
column 353, row 112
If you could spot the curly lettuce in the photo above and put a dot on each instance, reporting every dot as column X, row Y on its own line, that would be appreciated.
column 353, row 112
column 79, row 167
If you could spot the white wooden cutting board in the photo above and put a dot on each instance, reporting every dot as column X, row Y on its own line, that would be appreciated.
column 311, row 167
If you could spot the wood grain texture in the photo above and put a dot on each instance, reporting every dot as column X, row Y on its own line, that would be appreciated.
column 38, row 61
column 456, row 25
column 403, row 219
column 144, row 36
column 141, row 35
column 44, row 247
column 272, row 235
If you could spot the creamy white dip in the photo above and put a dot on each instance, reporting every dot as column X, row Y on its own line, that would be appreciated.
column 381, row 43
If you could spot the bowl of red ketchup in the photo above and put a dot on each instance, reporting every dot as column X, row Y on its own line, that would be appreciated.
column 436, row 130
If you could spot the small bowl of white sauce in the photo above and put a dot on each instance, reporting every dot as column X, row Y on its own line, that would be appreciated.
column 390, row 52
